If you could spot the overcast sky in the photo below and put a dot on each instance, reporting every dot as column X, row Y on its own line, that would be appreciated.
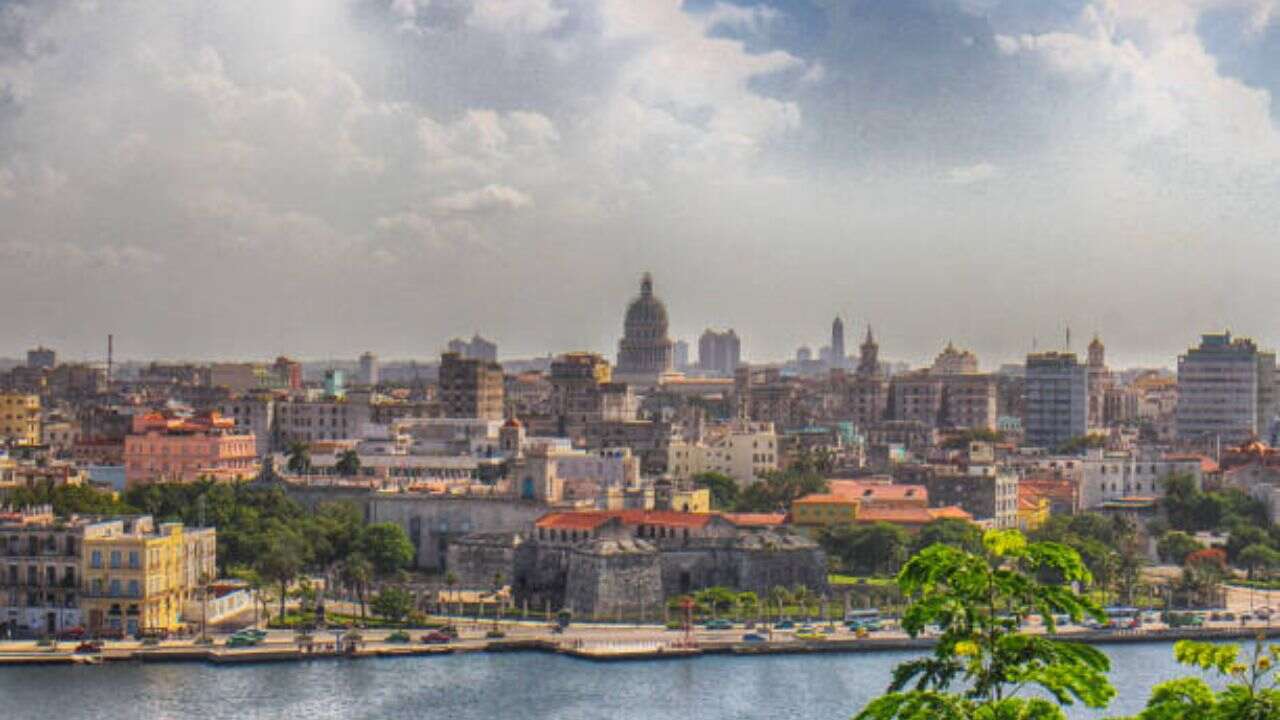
column 321, row 177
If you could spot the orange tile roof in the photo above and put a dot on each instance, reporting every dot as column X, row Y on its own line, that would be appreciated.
column 825, row 498
column 883, row 492
column 591, row 519
column 911, row 515
column 755, row 519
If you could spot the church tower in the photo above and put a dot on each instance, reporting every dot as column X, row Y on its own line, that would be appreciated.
column 869, row 360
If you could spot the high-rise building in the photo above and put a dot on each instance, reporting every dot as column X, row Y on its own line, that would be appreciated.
column 1057, row 399
column 369, row 368
column 719, row 352
column 838, row 357
column 477, row 348
column 42, row 358
column 335, row 383
column 680, row 355
column 1226, row 390
column 645, row 352
column 470, row 388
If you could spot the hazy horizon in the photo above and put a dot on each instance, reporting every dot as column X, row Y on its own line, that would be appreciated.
column 320, row 177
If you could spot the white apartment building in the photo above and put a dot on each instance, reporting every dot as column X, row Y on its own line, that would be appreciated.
column 1103, row 476
column 743, row 451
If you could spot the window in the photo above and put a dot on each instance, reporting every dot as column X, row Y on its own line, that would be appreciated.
column 134, row 590
column 115, row 558
column 115, row 587
column 95, row 560
column 133, row 559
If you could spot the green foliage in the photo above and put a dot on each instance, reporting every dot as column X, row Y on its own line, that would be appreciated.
column 67, row 499
column 1175, row 545
column 1078, row 444
column 949, row 531
column 875, row 549
column 961, row 440
column 299, row 458
column 393, row 603
column 1250, row 693
column 387, row 546
column 1191, row 510
column 978, row 601
column 1108, row 546
column 348, row 464
column 778, row 490
column 724, row 490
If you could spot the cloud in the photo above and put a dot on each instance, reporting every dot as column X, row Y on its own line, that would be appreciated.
column 490, row 198
column 970, row 174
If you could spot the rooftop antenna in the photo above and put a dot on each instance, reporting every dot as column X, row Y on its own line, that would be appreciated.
column 110, row 357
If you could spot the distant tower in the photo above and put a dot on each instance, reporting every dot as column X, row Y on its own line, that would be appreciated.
column 869, row 360
column 369, row 369
column 838, row 358
column 1097, row 353
column 645, row 352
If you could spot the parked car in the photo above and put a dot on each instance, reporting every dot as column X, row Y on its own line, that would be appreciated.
column 398, row 636
column 435, row 637
column 753, row 638
column 718, row 625
column 72, row 633
column 785, row 625
column 89, row 646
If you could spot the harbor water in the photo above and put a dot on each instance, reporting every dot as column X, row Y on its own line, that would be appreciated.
column 484, row 686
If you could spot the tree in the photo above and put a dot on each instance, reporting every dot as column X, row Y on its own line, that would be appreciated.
column 716, row 599
column 979, row 602
column 283, row 557
column 1175, row 545
column 393, row 604
column 724, row 489
column 777, row 490
column 875, row 549
column 1250, row 692
column 299, row 458
column 356, row 574
column 1258, row 557
column 949, row 531
column 348, row 464
column 387, row 546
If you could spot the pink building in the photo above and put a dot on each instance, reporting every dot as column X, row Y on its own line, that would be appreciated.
column 161, row 448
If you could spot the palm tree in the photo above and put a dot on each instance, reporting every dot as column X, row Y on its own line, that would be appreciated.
column 451, row 579
column 299, row 455
column 356, row 573
column 780, row 596
column 348, row 464
column 801, row 596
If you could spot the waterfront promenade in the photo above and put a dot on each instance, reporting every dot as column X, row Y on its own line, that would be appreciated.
column 590, row 641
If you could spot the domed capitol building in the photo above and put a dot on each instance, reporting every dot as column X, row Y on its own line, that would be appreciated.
column 645, row 351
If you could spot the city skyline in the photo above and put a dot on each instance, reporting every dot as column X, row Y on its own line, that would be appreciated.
column 387, row 174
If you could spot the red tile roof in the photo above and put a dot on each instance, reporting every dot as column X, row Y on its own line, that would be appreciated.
column 911, row 515
column 591, row 519
column 879, row 492
column 755, row 519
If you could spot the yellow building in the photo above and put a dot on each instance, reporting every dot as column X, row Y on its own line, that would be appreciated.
column 824, row 510
column 20, row 418
column 139, row 577
column 691, row 500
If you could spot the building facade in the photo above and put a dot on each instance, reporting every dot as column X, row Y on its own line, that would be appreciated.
column 719, row 352
column 1226, row 390
column 172, row 449
column 645, row 351
column 470, row 388
column 20, row 418
column 1056, row 405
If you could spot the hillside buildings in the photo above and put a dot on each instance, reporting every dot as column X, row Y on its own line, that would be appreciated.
column 745, row 451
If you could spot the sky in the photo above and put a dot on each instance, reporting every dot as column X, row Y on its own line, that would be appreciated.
column 321, row 177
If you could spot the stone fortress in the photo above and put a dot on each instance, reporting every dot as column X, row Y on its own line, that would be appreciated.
column 627, row 563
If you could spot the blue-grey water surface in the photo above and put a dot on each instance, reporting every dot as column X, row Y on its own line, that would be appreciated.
column 478, row 686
